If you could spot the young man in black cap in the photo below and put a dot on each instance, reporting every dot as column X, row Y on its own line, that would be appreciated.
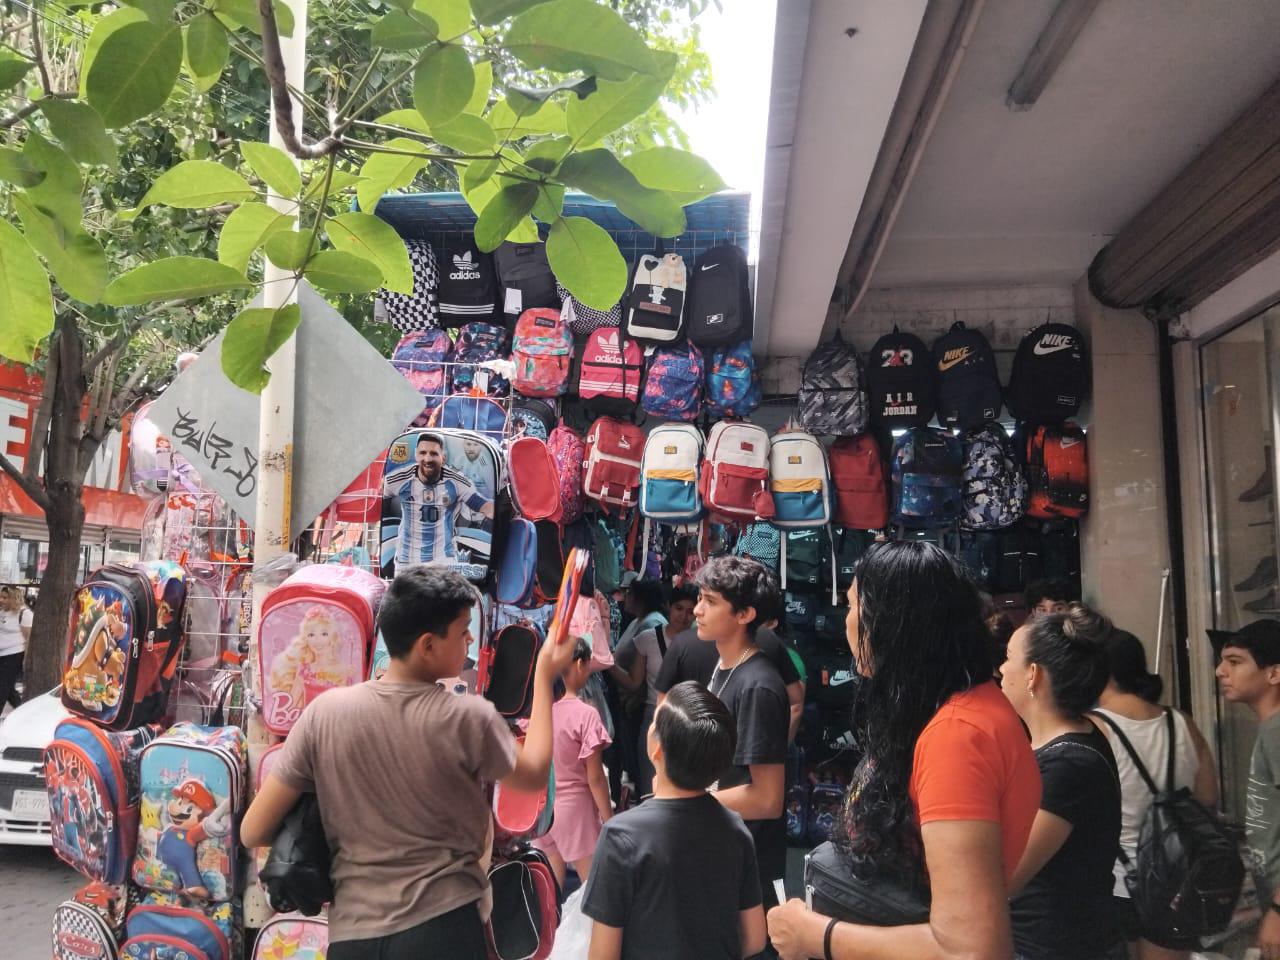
column 1249, row 673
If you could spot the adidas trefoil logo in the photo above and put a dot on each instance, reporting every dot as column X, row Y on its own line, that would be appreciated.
column 464, row 268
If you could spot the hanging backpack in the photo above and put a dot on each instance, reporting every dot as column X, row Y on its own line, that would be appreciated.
column 315, row 633
column 995, row 492
column 568, row 451
column 900, row 381
column 526, row 279
column 90, row 925
column 980, row 553
column 421, row 357
column 1050, row 375
column 91, row 776
column 610, row 373
column 519, row 564
column 531, row 417
column 968, row 386
column 294, row 936
column 825, row 804
column 833, row 396
column 193, row 782
column 1187, row 876
column 582, row 320
column 159, row 932
column 123, row 646
column 478, row 414
column 669, row 475
column 1017, row 559
column 926, row 467
column 478, row 343
column 735, row 473
column 719, row 309
column 861, row 487
column 542, row 350
column 673, row 383
column 504, row 672
column 1058, row 472
column 468, row 287
column 733, row 382
column 655, row 304
column 760, row 541
column 609, row 554
column 611, row 466
column 534, row 480
column 801, row 564
column 421, row 309
column 799, row 481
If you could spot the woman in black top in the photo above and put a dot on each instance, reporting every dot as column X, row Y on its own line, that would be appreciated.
column 1062, row 908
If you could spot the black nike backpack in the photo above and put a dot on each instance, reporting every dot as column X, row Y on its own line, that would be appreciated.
column 900, row 381
column 719, row 311
column 968, row 386
column 1050, row 375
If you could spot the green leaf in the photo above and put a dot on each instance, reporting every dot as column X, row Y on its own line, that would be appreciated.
column 488, row 12
column 76, row 260
column 196, row 184
column 157, row 11
column 443, row 83
column 207, row 50
column 81, row 131
column 409, row 119
column 599, row 173
column 251, row 340
column 341, row 272
column 453, row 17
column 247, row 228
column 480, row 92
column 134, row 72
column 105, row 28
column 586, row 260
column 59, row 191
column 503, row 214
column 678, row 172
column 478, row 172
column 339, row 180
column 550, row 202
column 616, row 104
column 173, row 278
column 388, row 171
column 512, row 125
column 12, row 69
column 288, row 250
column 399, row 31
column 401, row 4
column 578, row 86
column 273, row 167
column 568, row 35
column 26, row 302
column 244, row 13
column 545, row 155
column 17, row 168
column 375, row 240
column 466, row 134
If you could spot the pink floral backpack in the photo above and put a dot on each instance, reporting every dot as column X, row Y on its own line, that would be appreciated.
column 568, row 451
column 542, row 349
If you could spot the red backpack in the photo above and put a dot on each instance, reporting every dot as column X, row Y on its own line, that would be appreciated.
column 611, row 467
column 858, row 474
column 735, row 473
column 610, row 373
column 1057, row 472
column 568, row 451
column 535, row 482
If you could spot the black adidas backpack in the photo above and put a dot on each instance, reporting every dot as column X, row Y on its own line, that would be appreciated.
column 1188, row 873
column 900, row 381
column 1050, row 375
column 719, row 311
column 468, row 286
column 968, row 386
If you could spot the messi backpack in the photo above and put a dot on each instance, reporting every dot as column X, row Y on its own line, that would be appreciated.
column 733, row 382
column 542, row 350
column 926, row 468
column 719, row 309
column 568, row 451
column 673, row 383
column 995, row 491
column 655, row 305
column 1058, row 472
column 421, row 358
column 968, row 386
column 610, row 373
column 861, row 486
column 900, row 381
column 833, row 396
column 468, row 286
column 464, row 411
column 478, row 343
column 735, row 473
column 611, row 466
column 1050, row 375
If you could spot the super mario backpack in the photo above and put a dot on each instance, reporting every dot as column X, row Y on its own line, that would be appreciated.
column 421, row 359
column 171, row 927
column 733, row 382
column 673, row 383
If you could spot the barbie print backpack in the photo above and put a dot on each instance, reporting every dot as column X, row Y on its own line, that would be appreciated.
column 316, row 633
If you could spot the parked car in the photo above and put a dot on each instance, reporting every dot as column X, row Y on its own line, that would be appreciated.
column 24, row 804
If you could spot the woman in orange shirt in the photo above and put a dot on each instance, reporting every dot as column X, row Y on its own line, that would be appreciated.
column 947, row 788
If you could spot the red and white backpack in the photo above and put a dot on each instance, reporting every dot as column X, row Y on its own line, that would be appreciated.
column 568, row 451
column 735, row 473
column 610, row 373
column 611, row 468
column 542, row 350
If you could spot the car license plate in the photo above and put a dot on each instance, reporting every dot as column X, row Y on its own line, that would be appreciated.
column 31, row 803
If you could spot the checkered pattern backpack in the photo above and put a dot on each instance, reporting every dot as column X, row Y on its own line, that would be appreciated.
column 583, row 319
column 421, row 310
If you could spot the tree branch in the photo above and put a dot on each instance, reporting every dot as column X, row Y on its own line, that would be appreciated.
column 37, row 48
column 273, row 65
column 40, row 423
column 29, row 487
column 114, row 345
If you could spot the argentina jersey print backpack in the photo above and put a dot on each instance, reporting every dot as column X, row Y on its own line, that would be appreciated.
column 1050, row 375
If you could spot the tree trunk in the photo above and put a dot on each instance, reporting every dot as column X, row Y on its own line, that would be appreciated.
column 65, row 519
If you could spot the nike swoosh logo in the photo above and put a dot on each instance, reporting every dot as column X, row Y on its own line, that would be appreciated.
column 944, row 365
column 1040, row 349
column 710, row 266
column 840, row 678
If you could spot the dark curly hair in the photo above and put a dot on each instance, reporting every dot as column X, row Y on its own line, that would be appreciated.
column 921, row 639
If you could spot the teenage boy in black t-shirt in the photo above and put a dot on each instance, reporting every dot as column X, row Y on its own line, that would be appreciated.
column 675, row 878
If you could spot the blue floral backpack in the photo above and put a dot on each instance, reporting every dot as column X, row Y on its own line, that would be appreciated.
column 478, row 343
column 733, row 382
column 673, row 385
column 995, row 490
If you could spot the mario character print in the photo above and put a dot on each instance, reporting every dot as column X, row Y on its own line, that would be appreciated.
column 96, row 665
column 191, row 816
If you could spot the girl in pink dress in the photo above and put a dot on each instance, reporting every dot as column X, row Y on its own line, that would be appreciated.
column 582, row 789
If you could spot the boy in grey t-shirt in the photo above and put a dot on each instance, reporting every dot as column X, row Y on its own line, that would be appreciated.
column 398, row 766
column 1249, row 672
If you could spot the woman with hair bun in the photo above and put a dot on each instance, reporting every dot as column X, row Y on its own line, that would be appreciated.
column 1130, row 700
column 1062, row 907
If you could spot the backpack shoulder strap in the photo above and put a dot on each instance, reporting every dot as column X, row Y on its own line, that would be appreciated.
column 1133, row 754
column 1173, row 746
column 662, row 640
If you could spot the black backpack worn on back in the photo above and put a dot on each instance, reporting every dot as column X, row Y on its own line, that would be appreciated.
column 719, row 311
column 900, row 381
column 968, row 386
column 1187, row 876
column 1050, row 375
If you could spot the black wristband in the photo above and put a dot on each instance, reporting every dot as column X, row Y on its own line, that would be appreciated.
column 826, row 938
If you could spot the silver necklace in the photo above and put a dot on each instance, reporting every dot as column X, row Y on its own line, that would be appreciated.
column 729, row 676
